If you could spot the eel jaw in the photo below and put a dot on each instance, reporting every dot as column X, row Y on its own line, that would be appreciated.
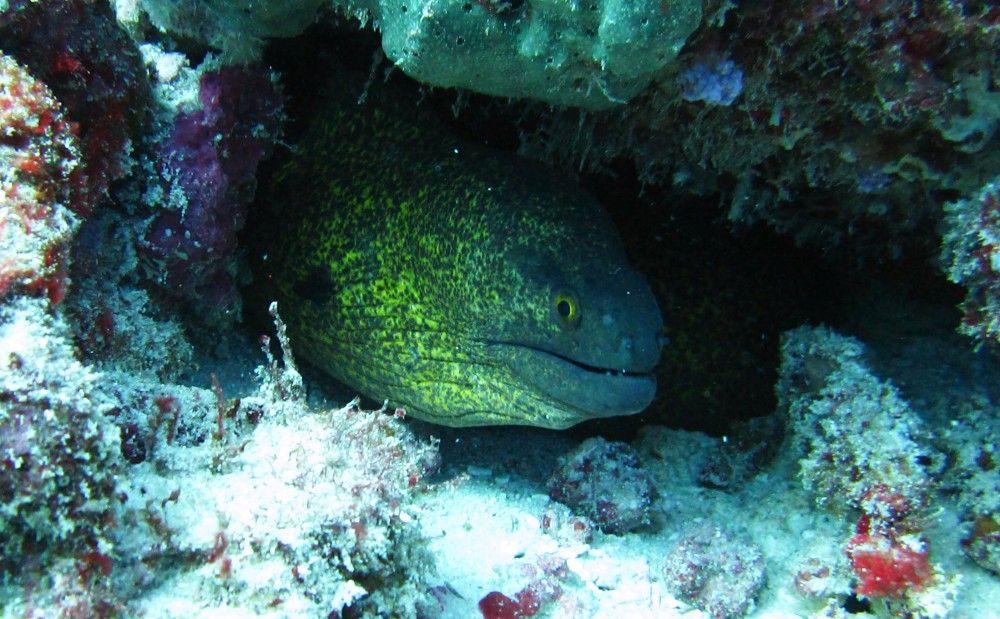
column 590, row 391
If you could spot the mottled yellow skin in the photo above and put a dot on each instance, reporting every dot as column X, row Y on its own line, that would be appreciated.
column 467, row 286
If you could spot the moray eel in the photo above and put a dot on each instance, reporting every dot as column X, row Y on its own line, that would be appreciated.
column 467, row 286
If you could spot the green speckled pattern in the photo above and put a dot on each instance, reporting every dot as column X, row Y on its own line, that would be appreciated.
column 415, row 267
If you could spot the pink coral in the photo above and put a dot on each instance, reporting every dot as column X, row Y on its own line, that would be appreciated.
column 887, row 567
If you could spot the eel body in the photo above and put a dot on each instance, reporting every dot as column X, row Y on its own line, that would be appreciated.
column 467, row 286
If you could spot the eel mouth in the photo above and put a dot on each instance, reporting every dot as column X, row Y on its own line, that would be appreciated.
column 594, row 391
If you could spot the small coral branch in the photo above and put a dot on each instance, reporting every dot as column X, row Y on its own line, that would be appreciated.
column 283, row 383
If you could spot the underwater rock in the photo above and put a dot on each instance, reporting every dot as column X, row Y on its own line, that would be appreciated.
column 854, row 431
column 747, row 450
column 864, row 453
column 59, row 453
column 714, row 572
column 606, row 483
column 238, row 28
column 593, row 55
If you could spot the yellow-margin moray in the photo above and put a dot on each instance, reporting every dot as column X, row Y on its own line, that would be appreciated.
column 468, row 286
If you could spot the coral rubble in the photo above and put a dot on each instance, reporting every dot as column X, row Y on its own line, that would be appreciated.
column 715, row 572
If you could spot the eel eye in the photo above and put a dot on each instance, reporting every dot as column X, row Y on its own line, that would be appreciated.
column 566, row 308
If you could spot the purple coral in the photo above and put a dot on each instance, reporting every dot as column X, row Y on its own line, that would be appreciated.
column 605, row 482
column 715, row 572
column 207, row 165
column 716, row 83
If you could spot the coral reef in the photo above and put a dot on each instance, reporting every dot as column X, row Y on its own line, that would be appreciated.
column 605, row 482
column 842, row 124
column 855, row 120
column 971, row 254
column 76, row 48
column 715, row 572
column 258, row 502
column 272, row 504
column 43, row 185
column 304, row 511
